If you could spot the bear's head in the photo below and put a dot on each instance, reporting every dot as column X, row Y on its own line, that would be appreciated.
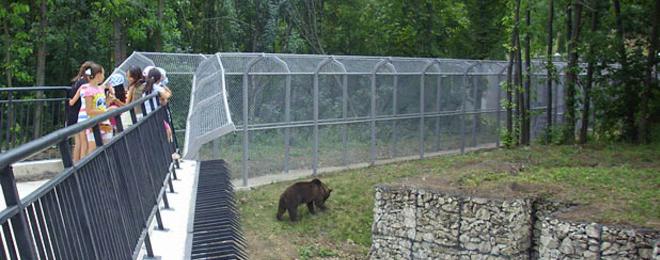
column 325, row 191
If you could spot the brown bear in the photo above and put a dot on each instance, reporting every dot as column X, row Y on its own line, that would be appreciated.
column 313, row 193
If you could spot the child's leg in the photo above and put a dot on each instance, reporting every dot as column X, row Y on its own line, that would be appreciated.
column 76, row 147
column 82, row 139
column 168, row 131
column 91, row 144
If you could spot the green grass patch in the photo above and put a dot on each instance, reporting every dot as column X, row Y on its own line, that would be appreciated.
column 621, row 182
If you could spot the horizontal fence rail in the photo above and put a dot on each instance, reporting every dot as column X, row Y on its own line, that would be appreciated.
column 99, row 208
column 27, row 113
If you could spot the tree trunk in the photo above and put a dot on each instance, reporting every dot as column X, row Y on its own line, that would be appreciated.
column 159, row 31
column 509, row 91
column 518, row 76
column 116, row 29
column 649, row 80
column 41, row 65
column 7, row 42
column 528, row 81
column 629, row 94
column 550, row 69
column 572, row 74
column 582, row 139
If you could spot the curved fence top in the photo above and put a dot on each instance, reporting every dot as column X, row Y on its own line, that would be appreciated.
column 225, row 84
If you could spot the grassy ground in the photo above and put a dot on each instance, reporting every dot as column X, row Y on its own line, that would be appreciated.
column 614, row 183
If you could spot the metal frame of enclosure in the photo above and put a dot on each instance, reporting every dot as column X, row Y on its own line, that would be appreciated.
column 277, row 113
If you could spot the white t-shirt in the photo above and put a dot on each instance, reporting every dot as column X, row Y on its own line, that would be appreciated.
column 157, row 88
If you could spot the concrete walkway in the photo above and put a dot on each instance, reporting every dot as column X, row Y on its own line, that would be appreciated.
column 171, row 242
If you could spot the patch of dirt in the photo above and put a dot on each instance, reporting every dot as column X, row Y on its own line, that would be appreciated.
column 277, row 247
column 268, row 248
column 490, row 190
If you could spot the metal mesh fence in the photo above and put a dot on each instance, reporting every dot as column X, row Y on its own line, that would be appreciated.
column 309, row 112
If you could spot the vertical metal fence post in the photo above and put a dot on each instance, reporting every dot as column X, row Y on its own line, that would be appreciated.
column 245, row 128
column 287, row 119
column 555, row 96
column 421, row 113
column 315, row 145
column 476, row 111
column 19, row 224
column 463, row 116
column 149, row 248
column 10, row 121
column 372, row 115
column 438, row 90
column 395, row 111
column 499, row 109
column 344, row 114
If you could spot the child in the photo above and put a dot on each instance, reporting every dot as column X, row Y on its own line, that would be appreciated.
column 117, row 96
column 73, row 109
column 96, row 104
column 154, row 82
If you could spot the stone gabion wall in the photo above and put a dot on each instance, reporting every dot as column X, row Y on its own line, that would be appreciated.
column 420, row 224
column 561, row 239
column 416, row 223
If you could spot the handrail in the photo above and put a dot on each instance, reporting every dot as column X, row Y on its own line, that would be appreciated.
column 25, row 150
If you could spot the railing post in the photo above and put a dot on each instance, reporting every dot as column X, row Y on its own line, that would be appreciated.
column 133, row 116
column 174, row 139
column 19, row 224
column 150, row 250
column 98, row 139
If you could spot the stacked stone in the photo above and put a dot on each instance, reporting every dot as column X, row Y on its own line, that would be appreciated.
column 565, row 240
column 394, row 225
column 570, row 240
column 415, row 223
column 436, row 225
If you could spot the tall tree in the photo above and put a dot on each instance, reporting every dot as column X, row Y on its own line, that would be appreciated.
column 582, row 138
column 629, row 130
column 649, row 80
column 41, row 63
column 550, row 68
column 159, row 19
column 528, row 78
column 518, row 77
column 307, row 16
column 572, row 74
column 509, row 90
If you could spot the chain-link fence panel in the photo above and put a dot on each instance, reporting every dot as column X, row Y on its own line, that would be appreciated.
column 307, row 112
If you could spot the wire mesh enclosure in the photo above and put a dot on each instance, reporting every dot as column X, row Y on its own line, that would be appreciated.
column 276, row 113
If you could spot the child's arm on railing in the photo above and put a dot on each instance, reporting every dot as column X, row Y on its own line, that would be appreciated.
column 75, row 98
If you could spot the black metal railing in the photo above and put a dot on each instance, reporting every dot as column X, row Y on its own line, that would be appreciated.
column 99, row 208
column 27, row 113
